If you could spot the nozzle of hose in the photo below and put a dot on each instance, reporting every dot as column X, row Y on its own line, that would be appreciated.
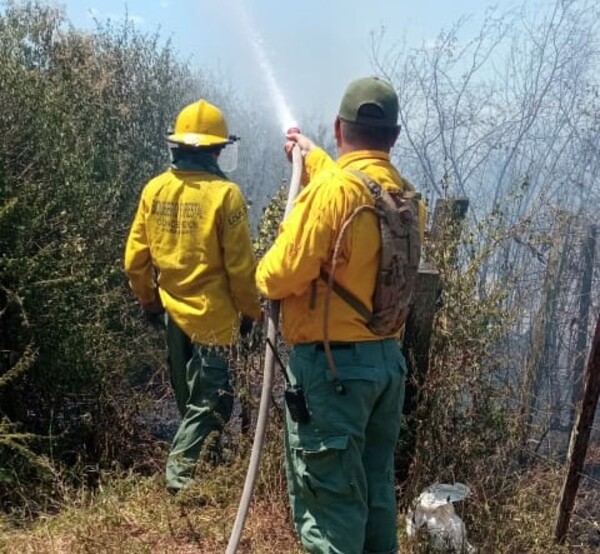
column 292, row 130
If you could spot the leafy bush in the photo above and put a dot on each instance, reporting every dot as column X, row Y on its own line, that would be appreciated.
column 83, row 125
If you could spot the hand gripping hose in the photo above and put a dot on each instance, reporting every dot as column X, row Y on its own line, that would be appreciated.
column 265, row 396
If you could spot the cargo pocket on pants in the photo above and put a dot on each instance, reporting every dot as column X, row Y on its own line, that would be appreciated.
column 321, row 464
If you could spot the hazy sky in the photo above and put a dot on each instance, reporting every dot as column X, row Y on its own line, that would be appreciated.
column 313, row 47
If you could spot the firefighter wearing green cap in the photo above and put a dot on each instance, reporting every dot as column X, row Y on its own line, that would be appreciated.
column 189, row 252
column 340, row 463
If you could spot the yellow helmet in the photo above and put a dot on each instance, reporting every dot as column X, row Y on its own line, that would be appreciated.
column 200, row 124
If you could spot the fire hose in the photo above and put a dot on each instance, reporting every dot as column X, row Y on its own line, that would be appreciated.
column 267, row 384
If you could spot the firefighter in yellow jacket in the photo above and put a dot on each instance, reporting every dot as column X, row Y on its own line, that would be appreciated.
column 189, row 251
column 340, row 463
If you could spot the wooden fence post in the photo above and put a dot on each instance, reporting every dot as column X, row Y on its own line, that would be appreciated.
column 445, row 229
column 580, row 438
column 587, row 258
column 542, row 347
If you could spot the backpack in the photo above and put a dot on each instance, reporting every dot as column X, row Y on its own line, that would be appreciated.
column 398, row 214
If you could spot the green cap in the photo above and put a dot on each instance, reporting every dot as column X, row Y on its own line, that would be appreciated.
column 370, row 101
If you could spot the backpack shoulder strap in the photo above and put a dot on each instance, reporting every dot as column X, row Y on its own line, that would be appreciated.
column 343, row 293
column 374, row 188
column 377, row 190
column 347, row 296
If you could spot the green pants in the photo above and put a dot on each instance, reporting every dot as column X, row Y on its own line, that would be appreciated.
column 200, row 378
column 340, row 465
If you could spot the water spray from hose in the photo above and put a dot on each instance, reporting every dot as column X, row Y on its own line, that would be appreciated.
column 288, row 124
column 284, row 114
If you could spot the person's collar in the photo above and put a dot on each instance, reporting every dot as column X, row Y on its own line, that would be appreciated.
column 351, row 157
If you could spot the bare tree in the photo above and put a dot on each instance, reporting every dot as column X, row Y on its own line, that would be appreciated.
column 508, row 118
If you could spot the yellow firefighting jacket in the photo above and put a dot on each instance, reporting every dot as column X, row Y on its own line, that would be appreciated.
column 290, row 269
column 190, row 236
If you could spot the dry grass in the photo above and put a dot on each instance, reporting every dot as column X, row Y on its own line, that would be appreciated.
column 507, row 513
column 136, row 515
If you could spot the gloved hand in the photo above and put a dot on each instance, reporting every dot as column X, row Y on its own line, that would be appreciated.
column 155, row 306
column 251, row 332
column 246, row 326
column 153, row 312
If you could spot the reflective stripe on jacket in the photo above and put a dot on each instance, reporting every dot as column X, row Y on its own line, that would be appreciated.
column 192, row 228
column 290, row 269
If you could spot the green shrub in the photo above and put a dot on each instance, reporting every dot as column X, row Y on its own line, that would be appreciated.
column 83, row 125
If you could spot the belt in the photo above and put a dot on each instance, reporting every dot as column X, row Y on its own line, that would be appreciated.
column 335, row 345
